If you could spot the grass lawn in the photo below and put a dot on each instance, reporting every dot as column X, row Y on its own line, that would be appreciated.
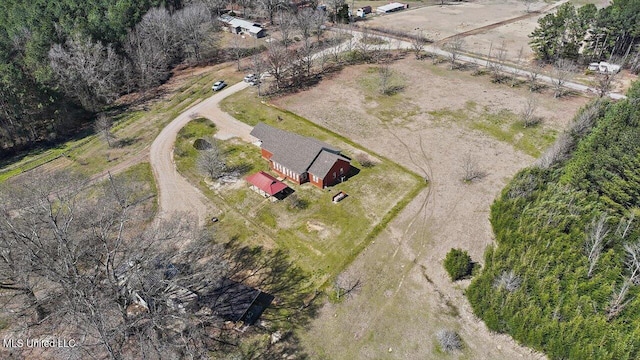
column 322, row 237
column 134, row 129
column 503, row 125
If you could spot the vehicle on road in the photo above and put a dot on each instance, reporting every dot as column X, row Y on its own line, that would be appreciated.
column 218, row 85
column 249, row 78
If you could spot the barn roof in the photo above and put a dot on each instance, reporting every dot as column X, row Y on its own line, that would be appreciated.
column 293, row 151
column 390, row 7
column 266, row 183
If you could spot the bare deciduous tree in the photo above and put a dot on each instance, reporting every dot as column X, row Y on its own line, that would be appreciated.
column 496, row 64
column 160, row 26
column 149, row 62
column 515, row 70
column 418, row 43
column 449, row 341
column 102, row 127
column 237, row 50
column 365, row 44
column 532, row 75
column 317, row 23
column 305, row 22
column 258, row 65
column 604, row 83
column 286, row 24
column 152, row 47
column 454, row 46
column 278, row 61
column 90, row 72
column 632, row 262
column 619, row 300
column 214, row 6
column 595, row 241
column 508, row 280
column 528, row 114
column 197, row 30
column 562, row 72
column 78, row 261
column 345, row 287
column 270, row 7
column 624, row 226
column 470, row 169
column 385, row 79
column 211, row 161
column 245, row 4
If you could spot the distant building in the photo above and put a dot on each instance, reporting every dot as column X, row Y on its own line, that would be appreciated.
column 301, row 159
column 392, row 7
column 604, row 67
column 241, row 26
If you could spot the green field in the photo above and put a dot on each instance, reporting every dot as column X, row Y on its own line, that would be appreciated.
column 323, row 237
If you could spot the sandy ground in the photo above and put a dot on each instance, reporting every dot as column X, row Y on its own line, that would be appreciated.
column 439, row 22
column 406, row 296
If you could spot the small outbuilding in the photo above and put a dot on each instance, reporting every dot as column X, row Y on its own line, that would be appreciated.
column 241, row 26
column 604, row 67
column 392, row 7
column 266, row 185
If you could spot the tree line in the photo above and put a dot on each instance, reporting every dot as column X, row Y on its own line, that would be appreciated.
column 564, row 275
column 587, row 34
column 86, row 263
column 61, row 62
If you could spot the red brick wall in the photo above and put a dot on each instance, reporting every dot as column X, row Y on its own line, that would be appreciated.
column 329, row 180
column 282, row 175
column 316, row 183
column 265, row 154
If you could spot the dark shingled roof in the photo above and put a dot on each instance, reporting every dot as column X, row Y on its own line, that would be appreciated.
column 234, row 301
column 324, row 162
column 293, row 151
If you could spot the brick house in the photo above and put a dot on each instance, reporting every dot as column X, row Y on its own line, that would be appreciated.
column 301, row 159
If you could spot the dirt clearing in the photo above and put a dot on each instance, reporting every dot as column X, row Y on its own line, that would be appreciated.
column 430, row 127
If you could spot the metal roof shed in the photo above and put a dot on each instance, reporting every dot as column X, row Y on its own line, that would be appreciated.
column 390, row 8
column 265, row 184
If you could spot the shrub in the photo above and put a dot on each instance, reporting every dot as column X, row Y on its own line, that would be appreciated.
column 449, row 340
column 458, row 264
column 201, row 144
column 294, row 202
column 365, row 160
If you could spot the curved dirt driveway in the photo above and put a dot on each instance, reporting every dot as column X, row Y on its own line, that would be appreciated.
column 175, row 193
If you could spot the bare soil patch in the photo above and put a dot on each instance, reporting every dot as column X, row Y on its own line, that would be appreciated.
column 406, row 296
column 441, row 21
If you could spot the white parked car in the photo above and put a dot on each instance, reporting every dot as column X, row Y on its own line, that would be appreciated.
column 249, row 78
column 218, row 85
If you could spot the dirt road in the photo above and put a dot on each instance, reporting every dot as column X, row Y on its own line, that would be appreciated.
column 175, row 193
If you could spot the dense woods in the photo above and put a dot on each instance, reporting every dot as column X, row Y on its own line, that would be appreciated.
column 62, row 61
column 564, row 275
column 590, row 34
